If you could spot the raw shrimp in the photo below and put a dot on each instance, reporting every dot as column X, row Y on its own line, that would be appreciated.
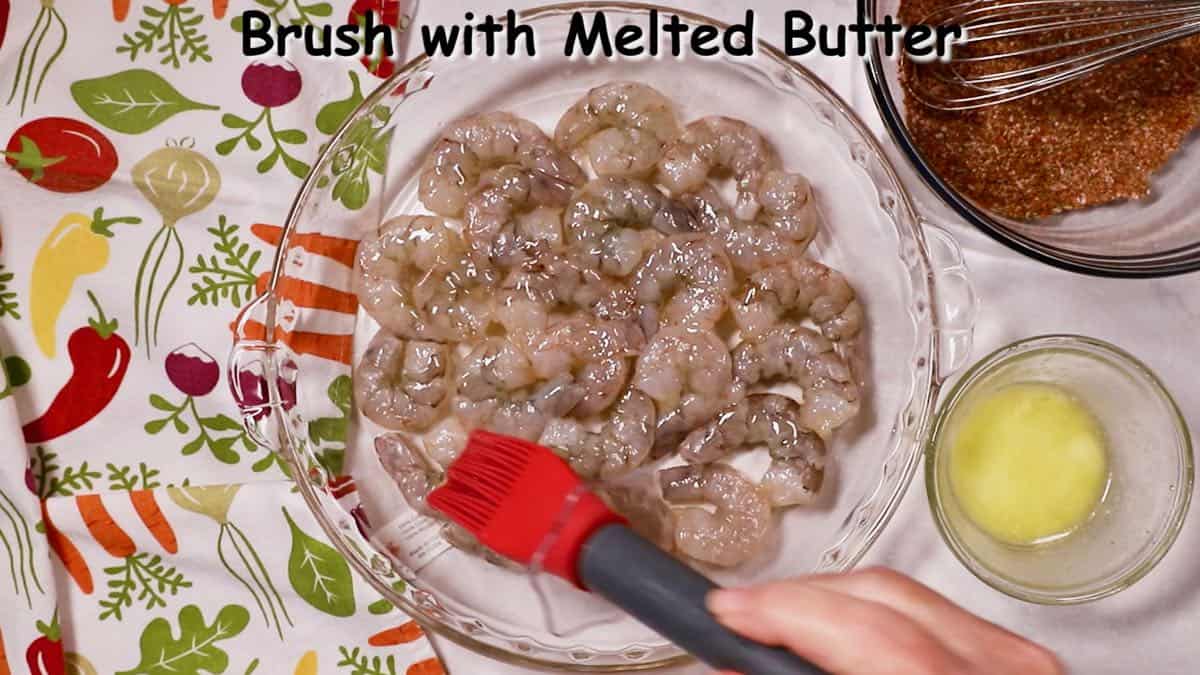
column 793, row 481
column 509, row 416
column 797, row 454
column 788, row 206
column 622, row 126
column 415, row 278
column 648, row 515
column 759, row 419
column 715, row 145
column 507, row 221
column 471, row 146
column 797, row 354
column 750, row 245
column 494, row 367
column 401, row 384
column 547, row 282
column 689, row 374
column 605, row 223
column 499, row 390
column 737, row 527
column 445, row 441
column 801, row 287
column 595, row 354
column 686, row 280
column 413, row 472
column 621, row 445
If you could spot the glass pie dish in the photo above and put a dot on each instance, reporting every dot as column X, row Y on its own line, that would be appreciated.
column 292, row 355
column 1151, row 237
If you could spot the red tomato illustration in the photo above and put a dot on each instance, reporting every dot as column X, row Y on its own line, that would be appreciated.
column 62, row 154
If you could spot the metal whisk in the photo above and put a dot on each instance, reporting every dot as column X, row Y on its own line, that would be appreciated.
column 1018, row 48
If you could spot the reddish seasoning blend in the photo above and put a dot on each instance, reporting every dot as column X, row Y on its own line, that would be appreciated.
column 1094, row 141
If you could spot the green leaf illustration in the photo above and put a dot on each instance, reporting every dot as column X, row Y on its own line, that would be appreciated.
column 334, row 113
column 319, row 574
column 195, row 650
column 132, row 101
column 17, row 370
column 340, row 392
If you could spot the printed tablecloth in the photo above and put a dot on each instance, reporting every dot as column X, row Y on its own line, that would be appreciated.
column 149, row 166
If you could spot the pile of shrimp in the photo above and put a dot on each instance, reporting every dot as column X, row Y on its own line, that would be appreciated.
column 593, row 291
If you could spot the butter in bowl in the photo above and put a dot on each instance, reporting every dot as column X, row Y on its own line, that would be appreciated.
column 1059, row 470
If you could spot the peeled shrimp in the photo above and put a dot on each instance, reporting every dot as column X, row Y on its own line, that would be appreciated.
column 713, row 145
column 445, row 441
column 622, row 126
column 596, row 355
column 499, row 389
column 793, row 481
column 804, row 288
column 689, row 374
column 797, row 354
column 686, row 280
column 473, row 145
column 759, row 419
column 415, row 278
column 605, row 223
column 751, row 246
column 797, row 454
column 412, row 472
column 648, row 515
column 494, row 367
column 621, row 445
column 788, row 206
column 517, row 417
column 401, row 384
column 737, row 527
column 507, row 221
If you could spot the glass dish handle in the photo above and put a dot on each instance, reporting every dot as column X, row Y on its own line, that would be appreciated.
column 956, row 304
column 261, row 377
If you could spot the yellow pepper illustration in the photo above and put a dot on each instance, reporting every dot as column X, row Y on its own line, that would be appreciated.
column 307, row 664
column 78, row 245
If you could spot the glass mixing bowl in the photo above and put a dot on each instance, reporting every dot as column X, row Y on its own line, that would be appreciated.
column 293, row 350
column 1156, row 236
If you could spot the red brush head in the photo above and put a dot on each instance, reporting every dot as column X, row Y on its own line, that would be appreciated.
column 513, row 494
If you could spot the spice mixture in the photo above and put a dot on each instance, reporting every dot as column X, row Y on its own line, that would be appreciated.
column 1087, row 143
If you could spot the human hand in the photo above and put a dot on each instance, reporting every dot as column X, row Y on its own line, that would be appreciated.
column 877, row 622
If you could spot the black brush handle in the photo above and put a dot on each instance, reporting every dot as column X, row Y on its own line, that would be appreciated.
column 669, row 597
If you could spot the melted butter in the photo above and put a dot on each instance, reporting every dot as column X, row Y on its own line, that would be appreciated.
column 1028, row 463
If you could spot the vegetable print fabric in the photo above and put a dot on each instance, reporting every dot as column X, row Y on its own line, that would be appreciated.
column 148, row 166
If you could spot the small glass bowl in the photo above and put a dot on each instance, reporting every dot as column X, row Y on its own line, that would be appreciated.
column 1150, row 473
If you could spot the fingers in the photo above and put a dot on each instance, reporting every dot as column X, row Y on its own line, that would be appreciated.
column 837, row 632
column 968, row 635
column 877, row 621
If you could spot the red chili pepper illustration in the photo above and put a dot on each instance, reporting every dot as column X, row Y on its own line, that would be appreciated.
column 387, row 13
column 100, row 358
column 45, row 654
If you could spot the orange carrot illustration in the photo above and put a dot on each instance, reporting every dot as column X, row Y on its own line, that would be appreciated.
column 409, row 632
column 70, row 556
column 314, row 296
column 4, row 669
column 120, row 9
column 219, row 8
column 104, row 529
column 334, row 248
column 321, row 345
column 152, row 516
column 426, row 667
